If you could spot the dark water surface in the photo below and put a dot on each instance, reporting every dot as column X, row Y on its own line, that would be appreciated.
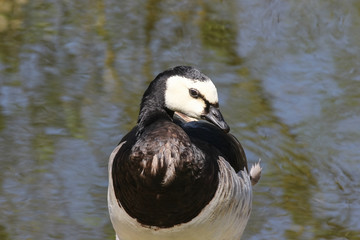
column 72, row 74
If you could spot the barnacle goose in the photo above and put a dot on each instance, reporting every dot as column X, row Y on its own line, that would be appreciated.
column 178, row 174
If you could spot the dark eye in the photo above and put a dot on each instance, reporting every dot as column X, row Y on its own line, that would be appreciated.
column 194, row 93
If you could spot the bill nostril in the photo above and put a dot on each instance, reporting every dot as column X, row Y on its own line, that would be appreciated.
column 213, row 111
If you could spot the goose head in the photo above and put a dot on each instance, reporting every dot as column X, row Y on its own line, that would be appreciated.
column 188, row 92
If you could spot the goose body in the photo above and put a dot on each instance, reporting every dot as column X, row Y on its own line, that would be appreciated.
column 174, row 177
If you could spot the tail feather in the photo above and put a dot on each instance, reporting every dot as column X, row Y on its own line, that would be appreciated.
column 255, row 173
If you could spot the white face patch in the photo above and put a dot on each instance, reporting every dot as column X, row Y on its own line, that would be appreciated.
column 177, row 97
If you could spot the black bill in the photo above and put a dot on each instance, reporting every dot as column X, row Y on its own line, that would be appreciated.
column 214, row 116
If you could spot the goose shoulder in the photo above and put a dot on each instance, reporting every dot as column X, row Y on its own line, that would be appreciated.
column 228, row 146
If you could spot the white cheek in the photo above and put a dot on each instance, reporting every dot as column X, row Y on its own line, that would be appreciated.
column 194, row 108
column 177, row 98
column 185, row 104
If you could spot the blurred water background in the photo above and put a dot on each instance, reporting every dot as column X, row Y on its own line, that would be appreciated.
column 72, row 74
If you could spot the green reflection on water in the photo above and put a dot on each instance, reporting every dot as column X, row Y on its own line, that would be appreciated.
column 219, row 34
column 3, row 233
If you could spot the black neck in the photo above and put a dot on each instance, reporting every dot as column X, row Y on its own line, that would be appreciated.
column 152, row 105
column 148, row 116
